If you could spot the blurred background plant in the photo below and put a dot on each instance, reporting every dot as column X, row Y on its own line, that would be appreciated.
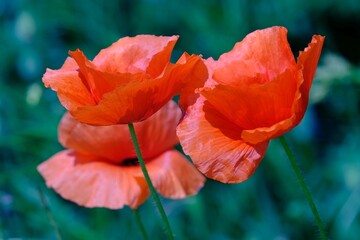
column 270, row 205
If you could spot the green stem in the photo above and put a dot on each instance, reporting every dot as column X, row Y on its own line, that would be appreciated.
column 303, row 186
column 140, row 223
column 50, row 216
column 149, row 183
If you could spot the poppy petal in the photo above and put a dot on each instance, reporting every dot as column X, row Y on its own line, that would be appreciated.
column 194, row 81
column 94, row 184
column 256, row 105
column 161, row 59
column 155, row 135
column 307, row 62
column 261, row 134
column 158, row 133
column 109, row 142
column 142, row 53
column 69, row 86
column 98, row 82
column 137, row 101
column 174, row 176
column 259, row 57
column 216, row 151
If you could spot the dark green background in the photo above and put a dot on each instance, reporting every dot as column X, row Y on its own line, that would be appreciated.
column 37, row 34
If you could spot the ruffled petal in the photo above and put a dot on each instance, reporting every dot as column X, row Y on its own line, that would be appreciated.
column 125, row 83
column 113, row 143
column 307, row 63
column 262, row 134
column 142, row 53
column 136, row 101
column 97, row 82
column 217, row 151
column 260, row 57
column 131, row 103
column 195, row 80
column 161, row 59
column 256, row 105
column 158, row 133
column 94, row 184
column 174, row 176
column 71, row 90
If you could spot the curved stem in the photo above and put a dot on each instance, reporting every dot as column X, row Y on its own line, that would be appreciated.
column 149, row 183
column 49, row 214
column 303, row 186
column 140, row 223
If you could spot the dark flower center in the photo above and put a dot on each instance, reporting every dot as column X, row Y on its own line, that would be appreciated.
column 130, row 162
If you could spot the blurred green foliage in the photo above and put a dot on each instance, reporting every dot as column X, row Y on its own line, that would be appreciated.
column 270, row 205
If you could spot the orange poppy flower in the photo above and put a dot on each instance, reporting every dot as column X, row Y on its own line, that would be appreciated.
column 254, row 93
column 125, row 83
column 99, row 168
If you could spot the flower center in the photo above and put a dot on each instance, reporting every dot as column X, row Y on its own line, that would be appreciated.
column 130, row 162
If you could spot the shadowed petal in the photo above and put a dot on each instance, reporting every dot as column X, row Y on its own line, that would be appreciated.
column 158, row 133
column 155, row 135
column 109, row 142
column 262, row 134
column 215, row 151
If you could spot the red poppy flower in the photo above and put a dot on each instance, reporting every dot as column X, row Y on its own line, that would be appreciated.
column 125, row 83
column 99, row 168
column 254, row 93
